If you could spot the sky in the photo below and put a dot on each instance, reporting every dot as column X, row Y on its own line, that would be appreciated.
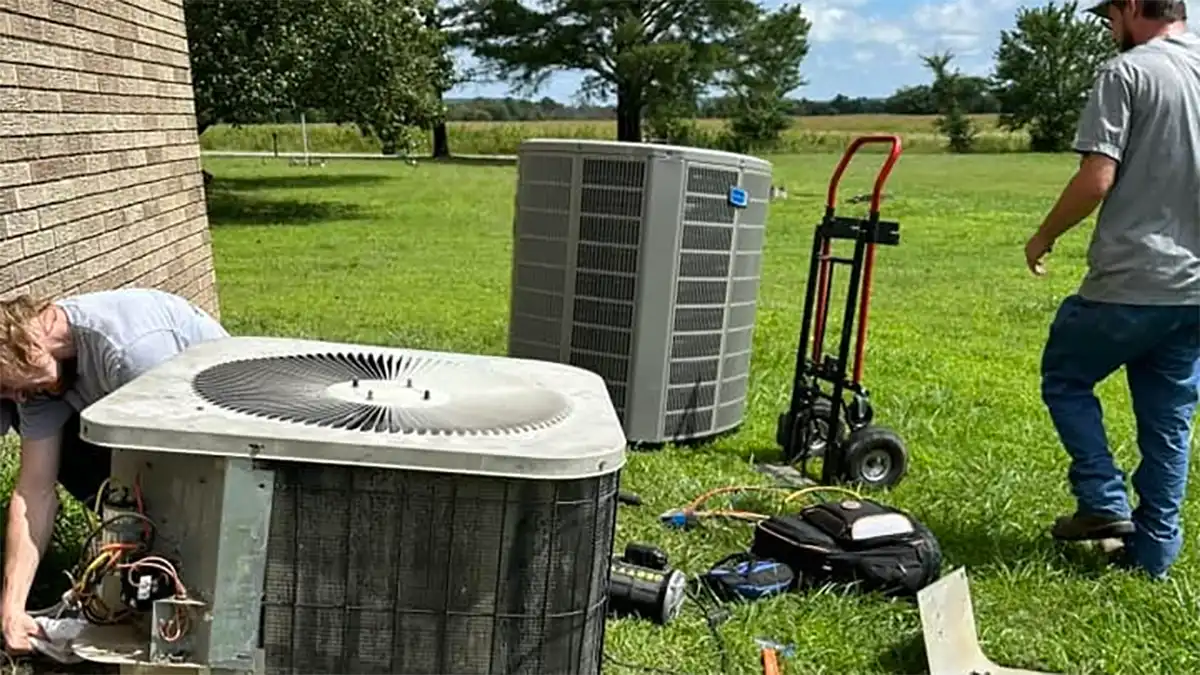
column 860, row 47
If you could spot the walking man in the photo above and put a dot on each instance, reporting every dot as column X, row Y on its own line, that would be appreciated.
column 1139, row 303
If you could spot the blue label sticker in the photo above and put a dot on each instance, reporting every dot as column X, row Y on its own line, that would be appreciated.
column 738, row 198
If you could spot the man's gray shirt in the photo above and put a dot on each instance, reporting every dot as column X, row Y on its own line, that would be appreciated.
column 118, row 335
column 1144, row 112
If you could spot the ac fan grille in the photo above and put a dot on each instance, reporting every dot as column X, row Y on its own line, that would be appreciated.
column 416, row 394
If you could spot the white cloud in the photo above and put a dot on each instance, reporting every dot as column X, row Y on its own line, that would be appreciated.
column 845, row 21
column 969, row 28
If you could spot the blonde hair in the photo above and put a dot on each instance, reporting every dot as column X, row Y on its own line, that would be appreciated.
column 18, row 343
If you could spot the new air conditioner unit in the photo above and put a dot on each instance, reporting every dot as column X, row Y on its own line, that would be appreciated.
column 337, row 509
column 641, row 263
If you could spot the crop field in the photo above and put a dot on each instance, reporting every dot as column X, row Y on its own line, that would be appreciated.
column 807, row 134
column 384, row 253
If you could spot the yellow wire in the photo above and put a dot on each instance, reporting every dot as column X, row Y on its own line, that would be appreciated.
column 821, row 488
column 100, row 495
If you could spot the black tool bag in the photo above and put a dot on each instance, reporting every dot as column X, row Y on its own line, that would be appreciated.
column 875, row 547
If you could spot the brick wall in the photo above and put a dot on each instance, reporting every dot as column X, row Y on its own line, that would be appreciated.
column 100, row 183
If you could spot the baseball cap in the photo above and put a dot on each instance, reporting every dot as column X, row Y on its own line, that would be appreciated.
column 1100, row 9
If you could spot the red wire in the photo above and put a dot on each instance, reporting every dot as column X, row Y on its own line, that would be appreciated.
column 141, row 505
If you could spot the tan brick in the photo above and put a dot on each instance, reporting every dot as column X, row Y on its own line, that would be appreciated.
column 45, row 170
column 109, row 187
column 14, row 173
column 88, row 82
column 100, row 18
column 43, row 287
column 114, row 103
column 63, row 13
column 37, row 242
column 61, row 257
column 46, row 78
column 20, row 223
column 32, row 196
column 135, row 12
column 19, row 124
column 7, row 278
column 22, row 100
column 10, row 251
column 99, row 43
column 28, row 269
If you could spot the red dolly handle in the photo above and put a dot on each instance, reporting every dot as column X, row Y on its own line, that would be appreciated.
column 884, row 171
column 869, row 264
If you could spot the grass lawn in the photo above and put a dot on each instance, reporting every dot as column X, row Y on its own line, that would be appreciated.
column 383, row 253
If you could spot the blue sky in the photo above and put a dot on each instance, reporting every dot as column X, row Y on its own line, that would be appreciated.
column 863, row 47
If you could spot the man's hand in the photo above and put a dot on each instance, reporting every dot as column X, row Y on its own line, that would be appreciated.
column 1035, row 250
column 18, row 628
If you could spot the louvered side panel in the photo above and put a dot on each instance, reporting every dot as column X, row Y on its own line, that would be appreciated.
column 744, row 278
column 541, row 239
column 611, row 201
column 705, row 260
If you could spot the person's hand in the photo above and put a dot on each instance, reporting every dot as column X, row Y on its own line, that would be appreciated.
column 1035, row 250
column 18, row 628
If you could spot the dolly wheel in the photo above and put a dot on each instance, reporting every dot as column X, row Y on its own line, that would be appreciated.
column 815, row 419
column 875, row 457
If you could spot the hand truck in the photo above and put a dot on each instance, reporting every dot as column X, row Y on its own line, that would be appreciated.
column 817, row 423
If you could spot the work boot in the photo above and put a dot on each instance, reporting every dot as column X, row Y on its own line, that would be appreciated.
column 1084, row 527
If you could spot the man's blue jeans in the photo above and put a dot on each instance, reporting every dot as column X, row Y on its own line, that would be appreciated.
column 1160, row 349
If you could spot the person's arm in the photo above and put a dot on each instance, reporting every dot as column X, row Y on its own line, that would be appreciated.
column 31, row 513
column 1100, row 138
column 1083, row 193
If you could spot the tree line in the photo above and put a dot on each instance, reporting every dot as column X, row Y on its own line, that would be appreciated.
column 910, row 100
column 385, row 66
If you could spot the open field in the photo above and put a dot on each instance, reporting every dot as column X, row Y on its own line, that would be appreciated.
column 808, row 134
column 383, row 253
column 378, row 252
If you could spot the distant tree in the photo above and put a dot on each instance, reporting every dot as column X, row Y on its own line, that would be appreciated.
column 446, row 17
column 372, row 63
column 765, row 68
column 643, row 52
column 950, row 90
column 1044, row 70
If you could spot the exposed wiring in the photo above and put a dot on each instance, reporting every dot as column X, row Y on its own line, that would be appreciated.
column 693, row 511
column 174, row 628
column 100, row 559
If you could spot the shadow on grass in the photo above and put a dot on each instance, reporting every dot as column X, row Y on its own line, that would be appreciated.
column 227, row 208
column 978, row 548
column 906, row 656
column 471, row 160
column 300, row 181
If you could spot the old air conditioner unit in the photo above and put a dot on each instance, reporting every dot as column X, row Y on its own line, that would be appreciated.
column 337, row 508
column 641, row 263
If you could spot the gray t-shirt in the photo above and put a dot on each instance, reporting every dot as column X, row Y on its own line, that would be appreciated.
column 118, row 335
column 1144, row 112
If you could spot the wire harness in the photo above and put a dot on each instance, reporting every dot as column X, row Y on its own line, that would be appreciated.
column 118, row 553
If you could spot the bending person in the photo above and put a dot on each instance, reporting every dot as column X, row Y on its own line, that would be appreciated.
column 56, row 359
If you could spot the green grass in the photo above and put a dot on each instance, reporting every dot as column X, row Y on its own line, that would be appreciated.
column 807, row 134
column 419, row 257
